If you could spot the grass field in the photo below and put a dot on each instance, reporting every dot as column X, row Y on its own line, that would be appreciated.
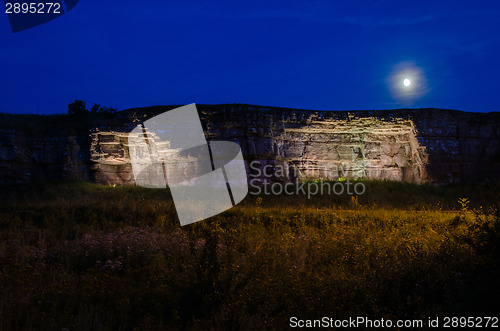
column 79, row 256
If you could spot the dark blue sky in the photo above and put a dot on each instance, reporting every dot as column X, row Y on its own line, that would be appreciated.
column 301, row 54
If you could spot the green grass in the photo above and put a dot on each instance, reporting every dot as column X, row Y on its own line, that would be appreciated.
column 81, row 256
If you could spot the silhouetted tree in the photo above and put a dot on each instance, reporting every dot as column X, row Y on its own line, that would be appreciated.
column 98, row 109
column 77, row 109
column 95, row 108
column 107, row 110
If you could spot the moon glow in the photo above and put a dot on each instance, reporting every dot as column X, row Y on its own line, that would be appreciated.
column 407, row 83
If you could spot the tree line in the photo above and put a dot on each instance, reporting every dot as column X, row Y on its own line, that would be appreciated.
column 79, row 109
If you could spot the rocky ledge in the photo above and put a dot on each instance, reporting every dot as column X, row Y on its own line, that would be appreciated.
column 414, row 145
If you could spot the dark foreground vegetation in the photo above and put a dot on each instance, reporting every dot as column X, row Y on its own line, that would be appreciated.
column 78, row 256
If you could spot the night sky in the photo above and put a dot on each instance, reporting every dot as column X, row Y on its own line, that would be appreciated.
column 323, row 55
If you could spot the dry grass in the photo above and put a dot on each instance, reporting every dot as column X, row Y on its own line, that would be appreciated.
column 86, row 257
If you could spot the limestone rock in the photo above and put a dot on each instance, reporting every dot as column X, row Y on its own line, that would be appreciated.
column 414, row 145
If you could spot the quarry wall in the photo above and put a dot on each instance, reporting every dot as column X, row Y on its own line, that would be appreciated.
column 413, row 145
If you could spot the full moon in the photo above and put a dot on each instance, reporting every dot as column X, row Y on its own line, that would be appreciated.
column 407, row 83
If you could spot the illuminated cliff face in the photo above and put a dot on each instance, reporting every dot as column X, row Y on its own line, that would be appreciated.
column 424, row 145
column 355, row 148
column 327, row 149
column 415, row 145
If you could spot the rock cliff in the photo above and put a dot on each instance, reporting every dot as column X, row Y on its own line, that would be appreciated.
column 414, row 145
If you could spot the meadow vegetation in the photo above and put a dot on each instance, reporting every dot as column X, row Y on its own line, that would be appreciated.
column 78, row 256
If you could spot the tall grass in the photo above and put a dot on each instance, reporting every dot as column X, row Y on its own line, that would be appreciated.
column 86, row 257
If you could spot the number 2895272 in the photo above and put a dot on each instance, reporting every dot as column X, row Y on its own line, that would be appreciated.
column 33, row 8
